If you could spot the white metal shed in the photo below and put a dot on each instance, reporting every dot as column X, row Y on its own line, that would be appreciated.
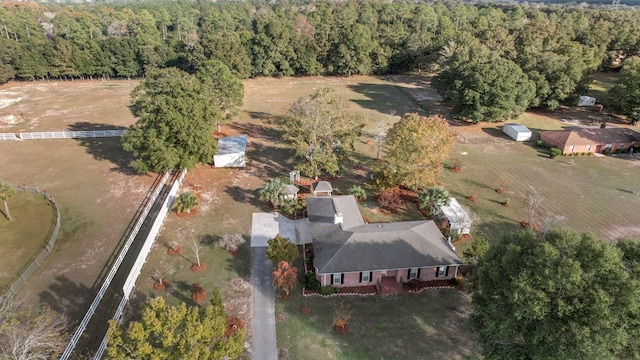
column 231, row 152
column 586, row 101
column 459, row 220
column 517, row 132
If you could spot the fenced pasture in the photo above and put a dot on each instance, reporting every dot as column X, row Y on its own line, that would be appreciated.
column 34, row 221
column 97, row 193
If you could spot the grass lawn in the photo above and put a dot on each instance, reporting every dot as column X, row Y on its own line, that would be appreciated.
column 585, row 194
column 24, row 237
column 429, row 325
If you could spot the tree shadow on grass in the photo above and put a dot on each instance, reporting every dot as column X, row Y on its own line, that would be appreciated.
column 269, row 160
column 108, row 148
column 243, row 195
column 386, row 99
column 264, row 131
column 67, row 297
column 179, row 288
column 241, row 263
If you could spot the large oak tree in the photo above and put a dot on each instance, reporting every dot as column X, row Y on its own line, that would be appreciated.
column 625, row 94
column 567, row 296
column 416, row 147
column 176, row 115
column 484, row 87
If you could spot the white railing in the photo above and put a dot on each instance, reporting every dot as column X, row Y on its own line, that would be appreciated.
column 142, row 257
column 7, row 136
column 114, row 269
column 69, row 134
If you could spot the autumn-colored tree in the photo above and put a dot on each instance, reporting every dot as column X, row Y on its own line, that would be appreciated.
column 285, row 277
column 342, row 314
column 197, row 293
column 6, row 191
column 416, row 147
column 390, row 200
column 281, row 249
column 176, row 332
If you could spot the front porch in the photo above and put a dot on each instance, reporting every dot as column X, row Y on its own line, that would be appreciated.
column 389, row 285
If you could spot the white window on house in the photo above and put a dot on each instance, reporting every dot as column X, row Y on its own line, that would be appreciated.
column 413, row 273
column 608, row 146
column 588, row 147
column 365, row 276
column 336, row 279
column 571, row 148
column 442, row 271
column 622, row 146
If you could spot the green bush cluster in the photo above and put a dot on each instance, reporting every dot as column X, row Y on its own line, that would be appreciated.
column 607, row 151
column 310, row 281
column 555, row 152
column 540, row 143
column 329, row 290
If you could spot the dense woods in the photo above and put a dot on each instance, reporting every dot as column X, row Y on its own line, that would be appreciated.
column 556, row 47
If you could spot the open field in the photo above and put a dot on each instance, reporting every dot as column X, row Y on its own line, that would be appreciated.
column 24, row 237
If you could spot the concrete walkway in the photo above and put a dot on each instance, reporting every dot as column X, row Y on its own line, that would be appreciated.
column 264, row 320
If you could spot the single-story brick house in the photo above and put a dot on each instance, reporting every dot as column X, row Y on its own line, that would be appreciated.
column 348, row 252
column 591, row 140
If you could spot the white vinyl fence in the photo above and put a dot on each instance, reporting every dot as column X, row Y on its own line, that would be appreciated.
column 70, row 134
column 112, row 272
column 142, row 257
column 7, row 136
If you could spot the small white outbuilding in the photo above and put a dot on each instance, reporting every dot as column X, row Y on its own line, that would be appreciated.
column 517, row 132
column 586, row 101
column 231, row 152
column 459, row 220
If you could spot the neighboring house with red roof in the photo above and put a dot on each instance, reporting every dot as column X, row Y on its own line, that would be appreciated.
column 591, row 140
column 349, row 252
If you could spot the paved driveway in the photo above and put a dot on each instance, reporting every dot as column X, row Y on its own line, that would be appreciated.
column 264, row 321
column 265, row 226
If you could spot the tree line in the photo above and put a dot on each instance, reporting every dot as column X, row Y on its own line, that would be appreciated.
column 557, row 47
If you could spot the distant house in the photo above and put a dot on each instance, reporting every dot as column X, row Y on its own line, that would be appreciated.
column 348, row 252
column 459, row 221
column 595, row 140
column 322, row 188
column 231, row 152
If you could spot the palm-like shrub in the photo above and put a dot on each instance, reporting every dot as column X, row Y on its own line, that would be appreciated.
column 186, row 202
column 358, row 192
column 433, row 199
column 270, row 193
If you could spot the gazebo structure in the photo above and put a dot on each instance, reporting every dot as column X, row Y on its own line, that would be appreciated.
column 322, row 188
column 290, row 192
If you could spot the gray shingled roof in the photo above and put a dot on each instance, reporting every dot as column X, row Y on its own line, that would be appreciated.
column 290, row 190
column 356, row 246
column 322, row 186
